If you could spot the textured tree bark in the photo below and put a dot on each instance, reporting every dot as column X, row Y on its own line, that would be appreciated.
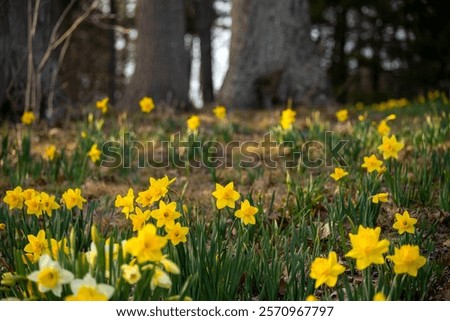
column 4, row 70
column 272, row 57
column 204, row 19
column 161, row 58
column 112, row 49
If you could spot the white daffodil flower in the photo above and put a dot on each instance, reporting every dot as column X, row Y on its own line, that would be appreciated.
column 50, row 276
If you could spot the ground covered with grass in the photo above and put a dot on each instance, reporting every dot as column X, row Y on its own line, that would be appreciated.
column 288, row 204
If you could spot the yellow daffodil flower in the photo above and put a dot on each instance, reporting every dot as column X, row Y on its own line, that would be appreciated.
column 177, row 234
column 287, row 118
column 50, row 153
column 27, row 118
column 404, row 223
column 131, row 273
column 37, row 246
column 338, row 173
column 48, row 203
column 372, row 163
column 126, row 202
column 246, row 213
column 146, row 104
column 147, row 245
column 407, row 259
column 166, row 214
column 158, row 188
column 14, row 198
column 94, row 153
column 326, row 270
column 367, row 249
column 342, row 115
column 390, row 147
column 193, row 123
column 226, row 196
column 35, row 205
column 73, row 198
column 220, row 112
column 103, row 105
column 380, row 198
column 139, row 218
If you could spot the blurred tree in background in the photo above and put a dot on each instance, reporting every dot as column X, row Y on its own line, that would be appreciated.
column 125, row 49
column 272, row 57
column 162, row 63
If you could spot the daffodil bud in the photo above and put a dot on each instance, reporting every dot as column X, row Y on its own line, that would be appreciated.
column 289, row 103
column 160, row 279
column 170, row 266
column 99, row 124
column 72, row 240
column 178, row 298
column 8, row 279
column 390, row 117
column 94, row 234
column 288, row 181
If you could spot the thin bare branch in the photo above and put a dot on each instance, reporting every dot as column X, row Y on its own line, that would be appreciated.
column 123, row 30
column 60, row 40
column 30, row 72
column 60, row 21
column 35, row 17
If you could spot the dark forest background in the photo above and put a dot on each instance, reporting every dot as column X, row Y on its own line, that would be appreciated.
column 57, row 56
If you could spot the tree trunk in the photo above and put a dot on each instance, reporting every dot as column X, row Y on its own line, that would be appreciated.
column 338, row 68
column 161, row 57
column 272, row 56
column 4, row 70
column 14, row 50
column 112, row 50
column 204, row 19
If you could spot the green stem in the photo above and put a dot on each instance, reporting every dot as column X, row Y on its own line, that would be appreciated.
column 83, row 169
column 392, row 289
column 367, row 279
